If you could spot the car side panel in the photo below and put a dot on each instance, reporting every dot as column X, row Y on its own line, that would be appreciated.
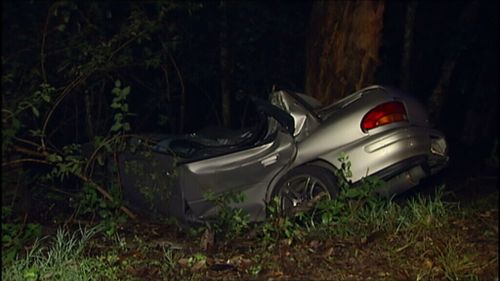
column 372, row 154
column 339, row 129
column 248, row 171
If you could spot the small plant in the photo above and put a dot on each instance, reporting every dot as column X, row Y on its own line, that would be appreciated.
column 90, row 203
column 62, row 259
column 14, row 236
column 339, row 212
column 254, row 270
column 278, row 226
column 455, row 263
column 343, row 174
column 196, row 258
column 230, row 221
column 120, row 105
column 70, row 162
column 427, row 212
column 351, row 201
column 170, row 259
column 153, row 182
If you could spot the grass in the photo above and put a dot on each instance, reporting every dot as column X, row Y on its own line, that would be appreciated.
column 62, row 259
column 423, row 238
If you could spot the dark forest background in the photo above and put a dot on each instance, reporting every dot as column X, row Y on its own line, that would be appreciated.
column 79, row 72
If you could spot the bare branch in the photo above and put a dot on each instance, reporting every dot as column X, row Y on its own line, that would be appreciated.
column 106, row 194
column 183, row 92
column 65, row 92
column 24, row 160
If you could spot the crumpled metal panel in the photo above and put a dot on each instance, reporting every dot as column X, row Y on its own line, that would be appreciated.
column 249, row 171
column 304, row 120
column 318, row 134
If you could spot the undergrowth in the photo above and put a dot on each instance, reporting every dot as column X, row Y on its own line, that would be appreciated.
column 415, row 228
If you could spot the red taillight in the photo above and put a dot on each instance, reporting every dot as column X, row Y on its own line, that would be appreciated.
column 384, row 114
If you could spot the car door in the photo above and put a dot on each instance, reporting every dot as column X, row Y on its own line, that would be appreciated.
column 248, row 171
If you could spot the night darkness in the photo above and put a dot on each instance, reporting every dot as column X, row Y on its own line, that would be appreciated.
column 78, row 73
column 266, row 43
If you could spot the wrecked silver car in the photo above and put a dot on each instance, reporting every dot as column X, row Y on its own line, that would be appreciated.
column 292, row 153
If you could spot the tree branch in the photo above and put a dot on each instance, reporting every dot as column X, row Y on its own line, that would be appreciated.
column 183, row 92
column 65, row 92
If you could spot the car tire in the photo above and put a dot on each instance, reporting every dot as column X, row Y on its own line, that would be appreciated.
column 303, row 184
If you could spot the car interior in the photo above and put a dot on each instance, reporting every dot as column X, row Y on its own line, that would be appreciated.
column 216, row 141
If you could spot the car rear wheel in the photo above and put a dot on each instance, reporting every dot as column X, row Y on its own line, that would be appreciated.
column 304, row 186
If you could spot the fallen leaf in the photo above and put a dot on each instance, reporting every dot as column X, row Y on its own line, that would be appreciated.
column 198, row 266
column 314, row 244
column 275, row 274
column 183, row 262
column 382, row 274
column 207, row 240
column 486, row 214
column 427, row 263
column 245, row 262
column 235, row 260
column 328, row 252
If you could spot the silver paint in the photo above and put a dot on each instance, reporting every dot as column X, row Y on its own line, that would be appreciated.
column 319, row 137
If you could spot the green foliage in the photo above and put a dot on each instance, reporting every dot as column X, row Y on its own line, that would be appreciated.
column 254, row 270
column 37, row 101
column 198, row 257
column 14, row 115
column 278, row 227
column 63, row 259
column 153, row 182
column 75, row 72
column 120, row 105
column 70, row 162
column 169, row 258
column 15, row 235
column 230, row 221
column 456, row 265
column 337, row 214
column 425, row 212
column 89, row 203
column 344, row 172
column 330, row 216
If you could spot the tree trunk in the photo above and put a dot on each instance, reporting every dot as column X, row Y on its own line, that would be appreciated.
column 461, row 41
column 225, row 81
column 408, row 42
column 88, row 117
column 480, row 122
column 342, row 47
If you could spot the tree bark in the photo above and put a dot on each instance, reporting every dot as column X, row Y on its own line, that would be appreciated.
column 225, row 82
column 461, row 40
column 342, row 49
column 408, row 42
column 88, row 117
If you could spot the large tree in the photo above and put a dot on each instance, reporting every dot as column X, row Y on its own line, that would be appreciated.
column 342, row 47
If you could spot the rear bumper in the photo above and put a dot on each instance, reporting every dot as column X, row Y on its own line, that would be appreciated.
column 402, row 157
column 406, row 174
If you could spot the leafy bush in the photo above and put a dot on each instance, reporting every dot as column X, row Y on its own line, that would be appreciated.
column 279, row 227
column 62, row 86
column 15, row 235
column 229, row 221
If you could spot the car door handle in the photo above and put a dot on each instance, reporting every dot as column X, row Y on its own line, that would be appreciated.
column 269, row 160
